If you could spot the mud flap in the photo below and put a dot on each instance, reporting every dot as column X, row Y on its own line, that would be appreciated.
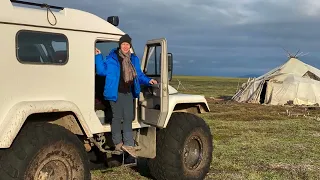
column 147, row 142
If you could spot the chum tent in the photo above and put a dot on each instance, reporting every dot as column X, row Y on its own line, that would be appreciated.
column 294, row 82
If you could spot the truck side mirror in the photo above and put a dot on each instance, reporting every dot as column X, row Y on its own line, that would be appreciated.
column 170, row 65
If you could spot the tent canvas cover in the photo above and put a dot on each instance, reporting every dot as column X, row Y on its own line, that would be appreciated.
column 294, row 82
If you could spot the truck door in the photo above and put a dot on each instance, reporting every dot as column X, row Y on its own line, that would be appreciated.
column 154, row 101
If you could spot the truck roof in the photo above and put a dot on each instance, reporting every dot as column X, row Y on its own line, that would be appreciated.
column 68, row 18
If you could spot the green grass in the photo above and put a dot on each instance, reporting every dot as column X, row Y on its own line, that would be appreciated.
column 218, row 87
column 250, row 141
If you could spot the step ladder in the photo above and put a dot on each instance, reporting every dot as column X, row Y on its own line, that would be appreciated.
column 112, row 152
column 123, row 157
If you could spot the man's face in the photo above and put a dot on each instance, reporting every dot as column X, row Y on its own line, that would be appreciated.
column 125, row 47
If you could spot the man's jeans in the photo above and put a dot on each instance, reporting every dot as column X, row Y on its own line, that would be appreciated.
column 122, row 109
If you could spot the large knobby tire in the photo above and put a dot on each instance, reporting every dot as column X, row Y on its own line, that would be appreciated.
column 43, row 151
column 184, row 149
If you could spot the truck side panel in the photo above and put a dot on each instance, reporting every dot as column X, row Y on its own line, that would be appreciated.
column 23, row 82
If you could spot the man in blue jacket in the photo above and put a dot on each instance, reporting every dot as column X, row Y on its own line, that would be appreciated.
column 123, row 79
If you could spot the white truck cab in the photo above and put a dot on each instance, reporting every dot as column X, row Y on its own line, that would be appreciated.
column 51, row 117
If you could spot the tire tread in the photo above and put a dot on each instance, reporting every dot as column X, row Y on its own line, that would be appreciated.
column 31, row 137
column 164, row 166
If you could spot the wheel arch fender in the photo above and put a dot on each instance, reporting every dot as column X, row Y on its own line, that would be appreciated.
column 18, row 114
column 199, row 107
column 182, row 104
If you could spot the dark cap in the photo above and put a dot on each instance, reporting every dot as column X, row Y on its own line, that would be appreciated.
column 125, row 38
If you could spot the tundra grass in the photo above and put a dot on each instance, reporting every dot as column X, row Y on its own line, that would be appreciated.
column 251, row 141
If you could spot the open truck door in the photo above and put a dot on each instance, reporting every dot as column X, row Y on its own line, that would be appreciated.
column 154, row 100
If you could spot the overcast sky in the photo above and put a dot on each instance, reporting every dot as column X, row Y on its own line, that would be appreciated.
column 217, row 37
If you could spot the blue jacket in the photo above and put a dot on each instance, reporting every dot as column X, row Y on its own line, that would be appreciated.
column 110, row 67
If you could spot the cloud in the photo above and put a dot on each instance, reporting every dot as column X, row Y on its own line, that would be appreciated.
column 221, row 37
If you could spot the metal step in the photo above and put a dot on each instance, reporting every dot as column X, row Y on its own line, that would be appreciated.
column 130, row 165
column 114, row 152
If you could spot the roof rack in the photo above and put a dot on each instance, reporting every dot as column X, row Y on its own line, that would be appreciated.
column 36, row 4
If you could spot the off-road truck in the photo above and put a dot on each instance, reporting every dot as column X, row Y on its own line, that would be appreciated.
column 51, row 115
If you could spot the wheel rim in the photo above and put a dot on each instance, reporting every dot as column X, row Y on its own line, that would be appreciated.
column 193, row 152
column 54, row 168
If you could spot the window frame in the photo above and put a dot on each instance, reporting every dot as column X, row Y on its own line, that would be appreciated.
column 113, row 40
column 102, row 40
column 145, row 69
column 41, row 32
